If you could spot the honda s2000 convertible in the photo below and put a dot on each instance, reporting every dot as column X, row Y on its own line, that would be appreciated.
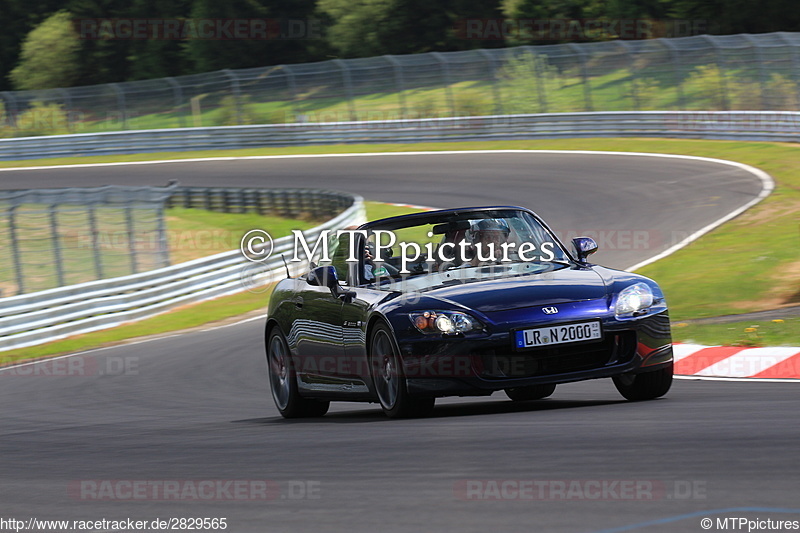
column 460, row 302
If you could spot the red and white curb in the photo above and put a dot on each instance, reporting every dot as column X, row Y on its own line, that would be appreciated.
column 414, row 206
column 697, row 360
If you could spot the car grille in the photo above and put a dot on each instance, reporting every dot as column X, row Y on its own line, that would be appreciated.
column 615, row 348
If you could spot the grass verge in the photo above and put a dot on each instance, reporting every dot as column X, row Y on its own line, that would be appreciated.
column 779, row 332
column 195, row 233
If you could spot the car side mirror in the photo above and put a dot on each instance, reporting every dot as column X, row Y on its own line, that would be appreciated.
column 584, row 247
column 323, row 276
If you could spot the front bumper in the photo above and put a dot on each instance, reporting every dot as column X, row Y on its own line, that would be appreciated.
column 480, row 365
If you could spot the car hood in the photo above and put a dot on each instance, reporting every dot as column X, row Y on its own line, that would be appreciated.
column 503, row 293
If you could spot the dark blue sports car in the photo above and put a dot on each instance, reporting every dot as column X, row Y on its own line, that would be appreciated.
column 460, row 302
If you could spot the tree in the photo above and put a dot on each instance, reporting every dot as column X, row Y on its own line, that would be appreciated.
column 273, row 49
column 49, row 55
column 362, row 28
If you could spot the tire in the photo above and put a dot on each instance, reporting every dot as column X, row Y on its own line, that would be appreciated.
column 388, row 378
column 534, row 392
column 283, row 381
column 644, row 386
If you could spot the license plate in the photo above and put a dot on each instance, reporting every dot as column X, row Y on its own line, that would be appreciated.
column 585, row 331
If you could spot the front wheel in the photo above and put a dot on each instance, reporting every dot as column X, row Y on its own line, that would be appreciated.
column 283, row 381
column 534, row 392
column 645, row 386
column 388, row 378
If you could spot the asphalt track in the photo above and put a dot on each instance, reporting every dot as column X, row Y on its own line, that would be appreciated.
column 197, row 406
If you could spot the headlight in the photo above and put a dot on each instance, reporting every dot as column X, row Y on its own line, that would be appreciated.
column 443, row 322
column 633, row 299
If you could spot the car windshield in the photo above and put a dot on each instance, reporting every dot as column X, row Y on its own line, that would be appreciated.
column 463, row 244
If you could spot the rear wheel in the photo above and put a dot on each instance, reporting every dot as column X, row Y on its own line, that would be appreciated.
column 645, row 386
column 534, row 392
column 388, row 378
column 283, row 381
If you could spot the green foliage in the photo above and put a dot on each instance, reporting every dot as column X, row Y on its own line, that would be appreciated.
column 204, row 55
column 42, row 119
column 709, row 87
column 704, row 88
column 229, row 111
column 782, row 92
column 360, row 28
column 744, row 94
column 649, row 94
column 247, row 112
column 530, row 84
column 49, row 55
column 470, row 104
column 425, row 108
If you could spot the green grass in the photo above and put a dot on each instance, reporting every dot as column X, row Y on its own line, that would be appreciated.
column 749, row 264
column 781, row 332
column 194, row 233
column 183, row 318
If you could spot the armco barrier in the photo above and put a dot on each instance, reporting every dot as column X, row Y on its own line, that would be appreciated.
column 782, row 126
column 40, row 317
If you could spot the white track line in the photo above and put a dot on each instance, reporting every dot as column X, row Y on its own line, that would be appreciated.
column 744, row 380
column 766, row 180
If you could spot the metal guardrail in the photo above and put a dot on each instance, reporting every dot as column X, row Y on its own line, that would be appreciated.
column 782, row 126
column 44, row 316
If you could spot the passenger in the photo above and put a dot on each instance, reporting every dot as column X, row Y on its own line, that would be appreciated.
column 487, row 237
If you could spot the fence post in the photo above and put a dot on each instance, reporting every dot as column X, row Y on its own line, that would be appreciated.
column 448, row 93
column 723, row 84
column 177, row 95
column 291, row 84
column 161, row 232
column 56, row 243
column 539, row 76
column 795, row 66
column 587, row 91
column 98, row 263
column 121, row 106
column 399, row 82
column 236, row 91
column 11, row 108
column 762, row 75
column 498, row 105
column 12, row 233
column 348, row 87
column 129, row 226
column 634, row 93
column 676, row 70
column 67, row 109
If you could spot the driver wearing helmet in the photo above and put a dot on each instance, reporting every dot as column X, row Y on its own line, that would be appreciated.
column 487, row 237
